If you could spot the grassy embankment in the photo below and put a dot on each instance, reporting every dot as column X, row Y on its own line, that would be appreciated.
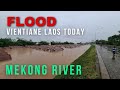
column 88, row 63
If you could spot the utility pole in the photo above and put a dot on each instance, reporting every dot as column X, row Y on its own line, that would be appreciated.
column 95, row 37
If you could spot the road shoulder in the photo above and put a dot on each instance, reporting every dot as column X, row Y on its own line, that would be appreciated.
column 103, row 69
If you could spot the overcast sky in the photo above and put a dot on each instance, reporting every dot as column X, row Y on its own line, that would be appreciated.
column 103, row 23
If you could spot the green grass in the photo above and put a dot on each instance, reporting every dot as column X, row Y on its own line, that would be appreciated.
column 88, row 63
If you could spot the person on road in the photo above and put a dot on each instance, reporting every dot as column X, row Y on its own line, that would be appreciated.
column 114, row 52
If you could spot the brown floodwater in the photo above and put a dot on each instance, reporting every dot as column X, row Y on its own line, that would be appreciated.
column 32, row 56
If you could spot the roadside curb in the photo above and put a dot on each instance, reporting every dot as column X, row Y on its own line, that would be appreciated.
column 103, row 70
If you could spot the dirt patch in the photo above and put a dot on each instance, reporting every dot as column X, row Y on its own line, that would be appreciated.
column 4, row 55
column 53, row 48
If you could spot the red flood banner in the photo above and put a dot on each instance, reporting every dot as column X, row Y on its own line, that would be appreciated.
column 11, row 20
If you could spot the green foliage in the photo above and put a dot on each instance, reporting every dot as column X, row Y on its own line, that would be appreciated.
column 101, row 42
column 5, row 42
column 88, row 63
column 61, row 43
column 43, row 43
column 20, row 42
column 112, row 40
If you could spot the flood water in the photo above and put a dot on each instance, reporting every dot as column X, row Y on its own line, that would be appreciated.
column 32, row 56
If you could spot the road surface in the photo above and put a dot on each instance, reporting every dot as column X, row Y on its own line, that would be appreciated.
column 112, row 66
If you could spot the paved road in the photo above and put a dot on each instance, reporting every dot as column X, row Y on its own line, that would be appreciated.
column 113, row 66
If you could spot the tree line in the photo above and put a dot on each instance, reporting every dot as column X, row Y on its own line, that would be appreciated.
column 112, row 40
column 5, row 42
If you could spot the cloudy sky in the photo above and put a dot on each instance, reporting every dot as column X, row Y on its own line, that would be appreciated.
column 103, row 23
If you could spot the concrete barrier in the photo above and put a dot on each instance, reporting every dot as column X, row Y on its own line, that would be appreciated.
column 103, row 70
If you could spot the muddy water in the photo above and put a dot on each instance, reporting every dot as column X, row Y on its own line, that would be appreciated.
column 32, row 56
